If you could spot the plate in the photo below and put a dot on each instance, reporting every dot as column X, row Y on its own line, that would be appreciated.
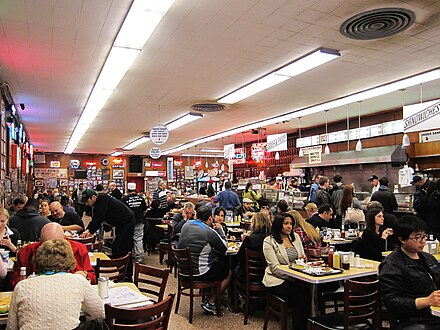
column 297, row 266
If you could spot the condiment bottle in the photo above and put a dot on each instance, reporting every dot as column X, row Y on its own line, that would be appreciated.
column 357, row 261
column 22, row 273
column 330, row 257
column 336, row 260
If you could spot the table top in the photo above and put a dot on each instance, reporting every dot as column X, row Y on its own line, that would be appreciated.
column 233, row 248
column 435, row 310
column 336, row 242
column 95, row 255
column 233, row 224
column 346, row 274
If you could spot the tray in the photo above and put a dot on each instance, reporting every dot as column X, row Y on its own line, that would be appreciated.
column 304, row 270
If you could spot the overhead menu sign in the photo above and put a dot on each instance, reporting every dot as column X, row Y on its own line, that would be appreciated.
column 421, row 116
column 229, row 151
column 429, row 136
column 159, row 134
column 277, row 142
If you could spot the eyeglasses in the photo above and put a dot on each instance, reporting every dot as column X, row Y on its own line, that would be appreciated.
column 419, row 238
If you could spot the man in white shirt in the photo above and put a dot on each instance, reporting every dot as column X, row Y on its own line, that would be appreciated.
column 374, row 181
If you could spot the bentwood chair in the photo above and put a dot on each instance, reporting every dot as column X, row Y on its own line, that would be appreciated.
column 114, row 269
column 186, row 284
column 251, row 288
column 154, row 316
column 360, row 306
column 151, row 280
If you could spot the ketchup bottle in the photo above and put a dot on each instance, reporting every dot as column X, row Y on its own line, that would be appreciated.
column 330, row 257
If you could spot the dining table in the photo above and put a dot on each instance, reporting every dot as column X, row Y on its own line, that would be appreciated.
column 367, row 268
column 95, row 255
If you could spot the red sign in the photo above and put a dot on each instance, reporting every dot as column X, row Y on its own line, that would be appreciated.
column 178, row 162
column 161, row 174
column 198, row 163
column 91, row 163
column 118, row 162
column 156, row 164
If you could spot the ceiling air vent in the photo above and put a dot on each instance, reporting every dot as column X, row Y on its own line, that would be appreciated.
column 378, row 23
column 208, row 107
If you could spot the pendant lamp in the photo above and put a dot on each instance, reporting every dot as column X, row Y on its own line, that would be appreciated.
column 326, row 149
column 301, row 151
column 277, row 156
column 359, row 143
column 405, row 139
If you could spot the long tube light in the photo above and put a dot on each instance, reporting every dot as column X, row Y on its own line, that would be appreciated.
column 140, row 22
column 116, row 153
column 202, row 156
column 136, row 143
column 291, row 69
column 211, row 150
column 363, row 95
column 185, row 119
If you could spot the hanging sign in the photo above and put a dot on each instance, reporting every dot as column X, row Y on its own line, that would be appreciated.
column 105, row 161
column 178, row 163
column 155, row 152
column 315, row 156
column 429, row 136
column 258, row 151
column 159, row 134
column 421, row 116
column 229, row 151
column 239, row 157
column 277, row 142
column 75, row 163
column 55, row 163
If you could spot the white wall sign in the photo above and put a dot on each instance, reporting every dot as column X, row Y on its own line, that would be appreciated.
column 155, row 152
column 421, row 116
column 229, row 151
column 315, row 156
column 159, row 134
column 277, row 142
column 429, row 136
column 314, row 149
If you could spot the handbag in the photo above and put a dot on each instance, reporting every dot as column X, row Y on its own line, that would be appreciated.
column 353, row 215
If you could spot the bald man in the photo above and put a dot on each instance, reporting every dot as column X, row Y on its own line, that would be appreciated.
column 69, row 221
column 53, row 231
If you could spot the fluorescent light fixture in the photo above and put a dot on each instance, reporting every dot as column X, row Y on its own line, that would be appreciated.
column 296, row 113
column 116, row 153
column 294, row 68
column 185, row 119
column 136, row 143
column 202, row 156
column 211, row 150
column 141, row 21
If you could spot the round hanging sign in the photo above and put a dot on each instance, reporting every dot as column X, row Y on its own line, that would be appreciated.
column 155, row 152
column 105, row 161
column 159, row 134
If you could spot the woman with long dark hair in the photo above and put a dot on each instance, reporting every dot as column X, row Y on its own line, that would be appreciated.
column 374, row 238
column 252, row 195
column 283, row 247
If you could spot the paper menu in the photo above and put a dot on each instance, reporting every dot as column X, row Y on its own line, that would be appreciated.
column 123, row 295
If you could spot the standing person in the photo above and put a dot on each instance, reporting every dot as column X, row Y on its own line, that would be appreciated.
column 40, row 302
column 77, row 203
column 28, row 221
column 348, row 200
column 337, row 190
column 323, row 196
column 202, row 190
column 374, row 181
column 252, row 195
column 228, row 199
column 374, row 238
column 116, row 214
column 314, row 188
column 69, row 221
column 283, row 247
column 410, row 278
column 137, row 204
column 421, row 197
column 160, row 194
column 114, row 191
column 385, row 197
column 210, row 191
column 207, row 243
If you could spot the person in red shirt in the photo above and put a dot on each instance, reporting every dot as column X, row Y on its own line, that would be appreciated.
column 53, row 231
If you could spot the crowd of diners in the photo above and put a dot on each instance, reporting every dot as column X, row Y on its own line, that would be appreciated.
column 409, row 277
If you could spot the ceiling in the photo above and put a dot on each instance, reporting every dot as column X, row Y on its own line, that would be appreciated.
column 51, row 52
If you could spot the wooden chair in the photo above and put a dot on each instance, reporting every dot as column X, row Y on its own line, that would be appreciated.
column 252, row 289
column 154, row 316
column 278, row 307
column 165, row 246
column 186, row 282
column 87, row 240
column 151, row 280
column 114, row 269
column 94, row 247
column 360, row 305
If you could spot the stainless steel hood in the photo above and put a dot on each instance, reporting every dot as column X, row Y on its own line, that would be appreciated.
column 388, row 154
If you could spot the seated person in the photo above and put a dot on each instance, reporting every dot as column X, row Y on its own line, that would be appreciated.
column 409, row 278
column 310, row 238
column 69, row 221
column 310, row 209
column 219, row 217
column 8, row 236
column 180, row 219
column 283, row 247
column 40, row 302
column 247, row 208
column 51, row 231
column 322, row 218
column 207, row 244
column 260, row 229
column 374, row 238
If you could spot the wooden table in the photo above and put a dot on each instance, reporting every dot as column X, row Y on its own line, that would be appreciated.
column 95, row 255
column 133, row 287
column 233, row 248
column 315, row 280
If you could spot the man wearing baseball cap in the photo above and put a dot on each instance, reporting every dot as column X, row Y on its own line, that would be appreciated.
column 116, row 214
column 421, row 197
column 374, row 181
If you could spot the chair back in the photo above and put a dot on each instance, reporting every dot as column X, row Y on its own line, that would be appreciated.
column 87, row 240
column 184, row 263
column 169, row 233
column 151, row 280
column 360, row 301
column 255, row 267
column 154, row 316
column 114, row 269
column 94, row 247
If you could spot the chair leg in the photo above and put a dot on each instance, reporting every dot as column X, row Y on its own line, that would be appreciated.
column 191, row 304
column 246, row 309
column 283, row 317
column 218, row 302
column 178, row 297
column 266, row 314
column 235, row 296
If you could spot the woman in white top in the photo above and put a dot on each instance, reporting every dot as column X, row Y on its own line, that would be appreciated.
column 55, row 298
column 283, row 247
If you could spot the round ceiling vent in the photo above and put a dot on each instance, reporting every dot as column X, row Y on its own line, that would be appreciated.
column 208, row 107
column 378, row 23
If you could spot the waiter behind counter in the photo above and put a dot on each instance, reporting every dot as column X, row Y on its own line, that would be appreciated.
column 116, row 214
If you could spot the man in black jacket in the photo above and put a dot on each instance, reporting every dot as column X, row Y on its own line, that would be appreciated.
column 385, row 197
column 28, row 221
column 322, row 218
column 410, row 278
column 323, row 195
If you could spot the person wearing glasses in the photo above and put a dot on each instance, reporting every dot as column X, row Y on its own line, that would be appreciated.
column 410, row 278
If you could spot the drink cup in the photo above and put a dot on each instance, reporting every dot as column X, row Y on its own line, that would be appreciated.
column 5, row 256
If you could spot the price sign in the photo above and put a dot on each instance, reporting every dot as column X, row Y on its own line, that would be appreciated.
column 155, row 152
column 159, row 134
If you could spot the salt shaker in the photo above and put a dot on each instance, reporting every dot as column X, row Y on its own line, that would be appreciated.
column 103, row 287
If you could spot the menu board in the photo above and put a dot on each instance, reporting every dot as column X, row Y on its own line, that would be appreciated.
column 314, row 140
column 353, row 134
column 376, row 130
column 365, row 132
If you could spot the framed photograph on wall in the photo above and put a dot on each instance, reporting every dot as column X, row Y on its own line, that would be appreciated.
column 118, row 174
column 38, row 183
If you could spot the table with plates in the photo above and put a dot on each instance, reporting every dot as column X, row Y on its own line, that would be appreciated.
column 368, row 268
column 95, row 255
